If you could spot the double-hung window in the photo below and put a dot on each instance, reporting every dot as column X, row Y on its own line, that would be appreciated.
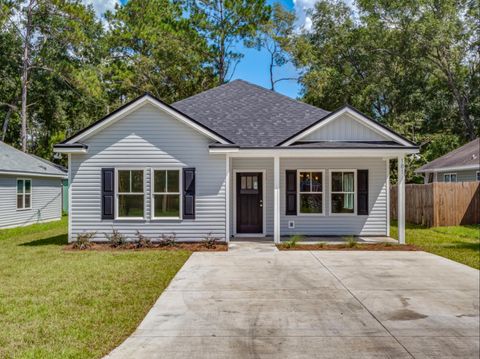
column 24, row 193
column 130, row 194
column 342, row 200
column 310, row 192
column 166, row 193
column 450, row 177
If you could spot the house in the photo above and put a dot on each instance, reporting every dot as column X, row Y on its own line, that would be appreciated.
column 237, row 160
column 460, row 165
column 30, row 188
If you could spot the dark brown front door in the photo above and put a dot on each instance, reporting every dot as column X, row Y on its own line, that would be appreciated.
column 249, row 202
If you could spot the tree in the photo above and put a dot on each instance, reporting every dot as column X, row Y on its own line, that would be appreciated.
column 153, row 48
column 275, row 36
column 224, row 23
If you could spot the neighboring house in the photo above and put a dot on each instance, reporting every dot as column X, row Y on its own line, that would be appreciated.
column 30, row 188
column 460, row 165
column 236, row 160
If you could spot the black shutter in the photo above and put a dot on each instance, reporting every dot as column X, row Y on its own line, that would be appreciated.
column 108, row 193
column 189, row 193
column 291, row 193
column 362, row 189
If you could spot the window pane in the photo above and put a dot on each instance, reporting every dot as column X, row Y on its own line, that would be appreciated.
column 167, row 205
column 317, row 181
column 243, row 181
column 311, row 203
column 137, row 181
column 19, row 201
column 337, row 181
column 27, row 201
column 19, row 186
column 130, row 205
column 160, row 181
column 304, row 181
column 123, row 181
column 173, row 181
column 249, row 182
column 255, row 182
column 348, row 179
column 454, row 178
column 342, row 202
column 28, row 185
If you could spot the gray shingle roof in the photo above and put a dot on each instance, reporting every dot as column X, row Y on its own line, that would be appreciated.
column 347, row 144
column 250, row 115
column 16, row 161
column 466, row 155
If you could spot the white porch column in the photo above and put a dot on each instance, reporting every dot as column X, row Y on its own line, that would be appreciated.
column 276, row 199
column 227, row 198
column 401, row 199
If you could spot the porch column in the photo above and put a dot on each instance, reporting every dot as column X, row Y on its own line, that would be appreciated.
column 401, row 199
column 227, row 198
column 276, row 199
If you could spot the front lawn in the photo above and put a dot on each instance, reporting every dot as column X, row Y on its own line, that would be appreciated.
column 61, row 304
column 459, row 243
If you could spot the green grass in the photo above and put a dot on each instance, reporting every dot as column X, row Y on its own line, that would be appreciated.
column 63, row 304
column 459, row 243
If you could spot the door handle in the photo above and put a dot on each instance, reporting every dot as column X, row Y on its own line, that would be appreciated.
column 261, row 203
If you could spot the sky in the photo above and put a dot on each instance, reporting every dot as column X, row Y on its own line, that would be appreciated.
column 254, row 65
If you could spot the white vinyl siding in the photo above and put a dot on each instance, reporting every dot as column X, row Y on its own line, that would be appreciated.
column 345, row 128
column 148, row 139
column 373, row 224
column 462, row 176
column 46, row 201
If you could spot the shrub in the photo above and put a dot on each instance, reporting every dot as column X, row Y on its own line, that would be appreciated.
column 84, row 240
column 142, row 241
column 350, row 242
column 210, row 241
column 321, row 244
column 116, row 239
column 168, row 240
column 292, row 242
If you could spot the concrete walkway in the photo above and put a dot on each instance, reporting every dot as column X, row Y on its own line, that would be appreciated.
column 257, row 302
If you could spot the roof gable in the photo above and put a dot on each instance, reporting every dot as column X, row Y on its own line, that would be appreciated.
column 352, row 125
column 133, row 106
column 250, row 115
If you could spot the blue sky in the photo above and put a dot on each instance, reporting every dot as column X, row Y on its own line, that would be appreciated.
column 254, row 66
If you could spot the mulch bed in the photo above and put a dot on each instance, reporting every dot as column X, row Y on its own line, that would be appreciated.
column 191, row 247
column 344, row 247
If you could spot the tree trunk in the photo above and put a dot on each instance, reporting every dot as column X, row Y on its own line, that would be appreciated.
column 24, row 78
column 272, row 83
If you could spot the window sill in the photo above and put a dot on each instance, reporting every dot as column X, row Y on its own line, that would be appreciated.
column 311, row 214
column 130, row 219
column 162, row 219
column 23, row 209
column 342, row 214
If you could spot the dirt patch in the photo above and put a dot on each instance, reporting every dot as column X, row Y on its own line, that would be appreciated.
column 191, row 247
column 345, row 247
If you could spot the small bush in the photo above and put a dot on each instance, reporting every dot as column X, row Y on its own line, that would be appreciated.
column 292, row 242
column 210, row 241
column 84, row 240
column 116, row 239
column 142, row 241
column 388, row 244
column 168, row 240
column 321, row 244
column 350, row 242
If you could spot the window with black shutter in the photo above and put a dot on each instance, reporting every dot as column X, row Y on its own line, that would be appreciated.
column 108, row 195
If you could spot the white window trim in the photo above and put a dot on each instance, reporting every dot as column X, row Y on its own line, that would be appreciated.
column 450, row 175
column 322, row 193
column 117, row 180
column 355, row 194
column 23, row 194
column 152, row 193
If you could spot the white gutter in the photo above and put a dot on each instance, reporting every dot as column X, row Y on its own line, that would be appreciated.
column 288, row 152
column 453, row 168
column 32, row 174
column 69, row 150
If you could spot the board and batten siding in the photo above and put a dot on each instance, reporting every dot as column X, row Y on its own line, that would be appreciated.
column 373, row 224
column 345, row 128
column 145, row 139
column 46, row 201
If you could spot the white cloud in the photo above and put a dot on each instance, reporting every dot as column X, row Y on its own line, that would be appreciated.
column 301, row 9
column 101, row 6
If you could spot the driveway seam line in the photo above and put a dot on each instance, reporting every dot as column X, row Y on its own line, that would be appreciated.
column 360, row 302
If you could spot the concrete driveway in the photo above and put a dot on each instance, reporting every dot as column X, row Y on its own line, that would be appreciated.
column 257, row 302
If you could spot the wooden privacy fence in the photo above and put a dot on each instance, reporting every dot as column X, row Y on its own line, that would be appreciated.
column 439, row 204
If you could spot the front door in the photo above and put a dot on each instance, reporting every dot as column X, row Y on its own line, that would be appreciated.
column 249, row 202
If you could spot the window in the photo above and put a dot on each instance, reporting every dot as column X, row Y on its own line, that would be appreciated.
column 310, row 192
column 450, row 177
column 166, row 194
column 343, row 192
column 24, row 193
column 478, row 175
column 130, row 194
